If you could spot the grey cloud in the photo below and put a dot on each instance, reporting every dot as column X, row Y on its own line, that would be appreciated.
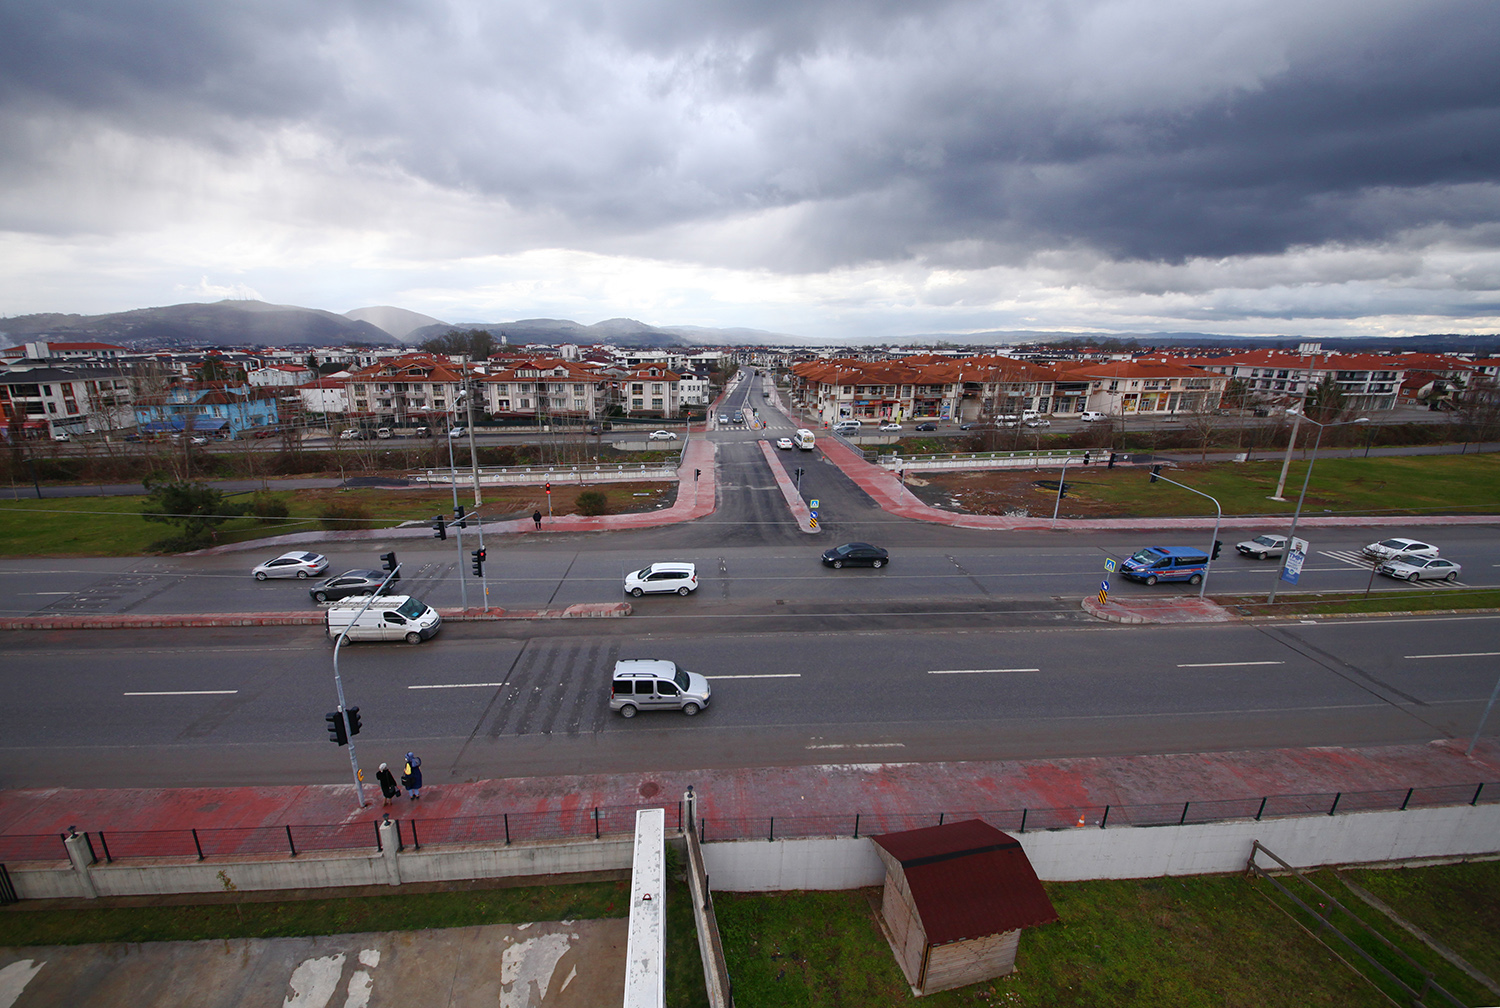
column 1142, row 129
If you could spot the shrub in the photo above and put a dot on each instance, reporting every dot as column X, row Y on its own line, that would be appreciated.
column 337, row 515
column 268, row 506
column 592, row 502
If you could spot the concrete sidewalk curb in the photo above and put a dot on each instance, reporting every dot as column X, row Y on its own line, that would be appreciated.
column 105, row 621
column 1174, row 610
column 789, row 491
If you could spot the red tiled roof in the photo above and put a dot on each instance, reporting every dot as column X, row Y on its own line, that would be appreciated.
column 968, row 880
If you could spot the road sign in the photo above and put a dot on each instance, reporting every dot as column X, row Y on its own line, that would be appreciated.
column 1102, row 596
column 1104, row 586
column 813, row 514
column 812, row 522
column 813, row 504
column 1109, row 565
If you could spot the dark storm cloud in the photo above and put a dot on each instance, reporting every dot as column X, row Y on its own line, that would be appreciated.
column 1146, row 129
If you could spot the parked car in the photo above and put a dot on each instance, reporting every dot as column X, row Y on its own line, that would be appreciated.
column 654, row 684
column 784, row 442
column 973, row 425
column 265, row 432
column 1090, row 416
column 847, row 427
column 1398, row 549
column 421, row 432
column 662, row 579
column 856, row 554
column 383, row 433
column 890, row 426
column 1421, row 569
column 1263, row 547
column 61, row 436
column 663, row 435
column 352, row 582
column 458, row 432
column 350, row 434
column 1037, row 421
column 925, row 427
column 298, row 565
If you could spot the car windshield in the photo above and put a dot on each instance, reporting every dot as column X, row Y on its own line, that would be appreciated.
column 680, row 678
column 1147, row 557
column 1394, row 544
column 411, row 609
column 1265, row 540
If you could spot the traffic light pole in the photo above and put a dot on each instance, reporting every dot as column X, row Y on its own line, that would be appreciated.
column 1218, row 517
column 338, row 682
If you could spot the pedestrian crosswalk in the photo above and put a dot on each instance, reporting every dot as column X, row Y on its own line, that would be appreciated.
column 1358, row 559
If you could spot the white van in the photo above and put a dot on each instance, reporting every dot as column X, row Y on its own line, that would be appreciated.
column 390, row 617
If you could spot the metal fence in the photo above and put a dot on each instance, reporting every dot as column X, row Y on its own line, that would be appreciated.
column 597, row 821
column 858, row 824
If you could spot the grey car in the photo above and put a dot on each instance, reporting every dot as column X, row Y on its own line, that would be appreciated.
column 1263, row 547
column 352, row 582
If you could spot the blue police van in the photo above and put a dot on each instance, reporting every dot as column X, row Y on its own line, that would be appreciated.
column 1166, row 563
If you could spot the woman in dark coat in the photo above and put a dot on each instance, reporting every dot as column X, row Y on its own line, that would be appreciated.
column 387, row 781
column 411, row 776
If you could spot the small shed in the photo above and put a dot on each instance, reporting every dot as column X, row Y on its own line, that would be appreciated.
column 956, row 898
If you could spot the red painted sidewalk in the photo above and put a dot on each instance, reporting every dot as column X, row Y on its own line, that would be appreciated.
column 789, row 792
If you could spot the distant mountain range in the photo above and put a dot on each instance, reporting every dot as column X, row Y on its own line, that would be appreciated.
column 255, row 323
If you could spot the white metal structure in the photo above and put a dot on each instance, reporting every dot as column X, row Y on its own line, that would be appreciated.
column 646, row 946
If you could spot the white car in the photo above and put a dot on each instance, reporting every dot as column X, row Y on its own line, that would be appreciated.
column 1421, row 569
column 458, row 432
column 349, row 435
column 1263, row 547
column 890, row 427
column 297, row 565
column 784, row 442
column 1398, row 549
column 663, row 435
column 1089, row 416
column 662, row 578
column 1037, row 422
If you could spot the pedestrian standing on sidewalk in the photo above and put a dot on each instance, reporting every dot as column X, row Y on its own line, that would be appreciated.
column 411, row 776
column 536, row 516
column 387, row 781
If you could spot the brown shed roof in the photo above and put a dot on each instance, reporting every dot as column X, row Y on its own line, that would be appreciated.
column 968, row 879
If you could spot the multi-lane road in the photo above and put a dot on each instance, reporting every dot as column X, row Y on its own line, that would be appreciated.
column 970, row 645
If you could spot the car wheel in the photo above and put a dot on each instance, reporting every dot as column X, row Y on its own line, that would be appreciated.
column 637, row 592
column 628, row 710
column 683, row 591
column 1263, row 555
column 321, row 596
column 1195, row 579
column 1452, row 576
column 689, row 709
column 837, row 564
column 413, row 638
column 1412, row 577
column 878, row 563
column 1151, row 580
column 302, row 575
column 260, row 575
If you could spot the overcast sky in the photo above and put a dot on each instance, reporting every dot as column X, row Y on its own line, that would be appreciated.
column 827, row 168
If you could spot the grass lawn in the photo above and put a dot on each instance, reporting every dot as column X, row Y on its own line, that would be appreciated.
column 113, row 526
column 1203, row 941
column 1356, row 602
column 1417, row 484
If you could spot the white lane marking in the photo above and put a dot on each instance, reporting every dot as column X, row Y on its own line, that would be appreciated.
column 191, row 692
column 1466, row 654
column 977, row 671
column 1229, row 664
column 44, row 593
column 860, row 745
column 764, row 675
column 460, row 685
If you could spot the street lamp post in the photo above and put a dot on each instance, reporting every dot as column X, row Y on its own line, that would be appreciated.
column 1297, row 514
column 1218, row 519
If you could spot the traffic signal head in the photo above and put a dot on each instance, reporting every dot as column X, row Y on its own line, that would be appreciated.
column 1062, row 490
column 336, row 733
column 388, row 561
column 1155, row 472
column 439, row 530
column 1218, row 545
column 352, row 713
column 458, row 512
column 548, row 487
column 478, row 556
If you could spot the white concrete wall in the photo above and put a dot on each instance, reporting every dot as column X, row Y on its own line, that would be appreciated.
column 1135, row 852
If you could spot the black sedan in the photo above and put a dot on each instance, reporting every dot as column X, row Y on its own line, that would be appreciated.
column 856, row 555
column 925, row 427
column 354, row 582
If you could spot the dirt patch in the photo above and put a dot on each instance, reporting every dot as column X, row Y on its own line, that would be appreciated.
column 1012, row 492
